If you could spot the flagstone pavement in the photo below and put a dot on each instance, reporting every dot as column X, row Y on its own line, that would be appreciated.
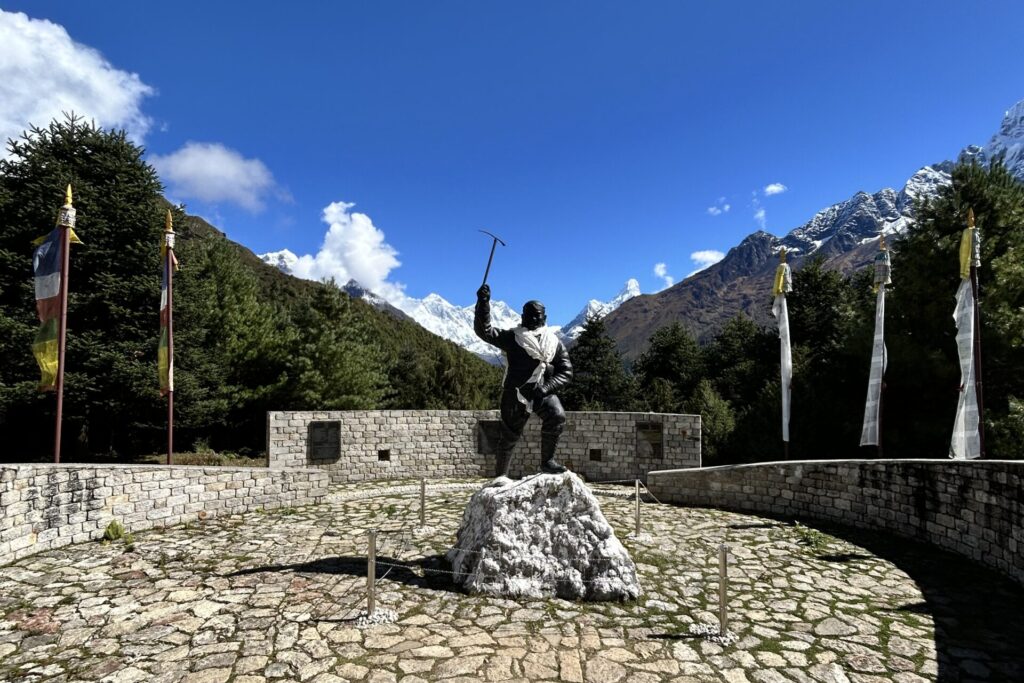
column 275, row 596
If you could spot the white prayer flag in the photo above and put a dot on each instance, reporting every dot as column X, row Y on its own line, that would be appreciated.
column 870, row 432
column 869, row 435
column 966, row 442
column 783, row 284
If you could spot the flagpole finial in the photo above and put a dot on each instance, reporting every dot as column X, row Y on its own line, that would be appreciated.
column 782, row 255
column 169, row 224
column 970, row 217
column 66, row 215
column 882, row 246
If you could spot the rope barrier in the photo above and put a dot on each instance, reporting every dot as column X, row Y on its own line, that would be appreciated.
column 651, row 494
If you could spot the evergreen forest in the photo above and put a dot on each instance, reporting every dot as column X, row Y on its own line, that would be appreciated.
column 733, row 381
column 249, row 339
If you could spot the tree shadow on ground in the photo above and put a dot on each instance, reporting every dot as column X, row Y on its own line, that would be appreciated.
column 432, row 572
column 975, row 610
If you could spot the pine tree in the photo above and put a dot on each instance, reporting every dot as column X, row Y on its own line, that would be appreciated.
column 668, row 371
column 600, row 381
column 717, row 420
column 114, row 284
column 924, row 376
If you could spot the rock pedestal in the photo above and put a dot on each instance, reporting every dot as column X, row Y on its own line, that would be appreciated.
column 541, row 537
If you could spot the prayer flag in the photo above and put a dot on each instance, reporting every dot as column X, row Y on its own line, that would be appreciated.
column 47, row 261
column 783, row 284
column 165, row 362
column 869, row 435
column 966, row 441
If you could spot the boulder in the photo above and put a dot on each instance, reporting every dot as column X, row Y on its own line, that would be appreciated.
column 541, row 537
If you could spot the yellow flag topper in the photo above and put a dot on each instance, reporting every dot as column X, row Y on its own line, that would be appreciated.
column 970, row 252
column 783, row 278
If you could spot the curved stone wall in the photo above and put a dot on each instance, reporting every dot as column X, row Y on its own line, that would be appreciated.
column 48, row 506
column 975, row 509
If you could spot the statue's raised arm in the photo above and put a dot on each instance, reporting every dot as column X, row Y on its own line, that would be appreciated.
column 482, row 318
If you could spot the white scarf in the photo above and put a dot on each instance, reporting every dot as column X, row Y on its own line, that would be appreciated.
column 541, row 345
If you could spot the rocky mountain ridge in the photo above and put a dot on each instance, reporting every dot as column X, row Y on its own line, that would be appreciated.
column 845, row 234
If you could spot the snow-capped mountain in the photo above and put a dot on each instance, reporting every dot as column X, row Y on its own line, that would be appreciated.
column 599, row 309
column 455, row 323
column 283, row 260
column 845, row 234
column 860, row 219
column 1008, row 142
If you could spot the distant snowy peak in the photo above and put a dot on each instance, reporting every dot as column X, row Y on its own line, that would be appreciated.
column 283, row 260
column 455, row 323
column 864, row 216
column 357, row 291
column 595, row 308
column 1008, row 142
column 924, row 184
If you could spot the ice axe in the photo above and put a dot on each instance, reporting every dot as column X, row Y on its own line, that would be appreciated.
column 491, row 257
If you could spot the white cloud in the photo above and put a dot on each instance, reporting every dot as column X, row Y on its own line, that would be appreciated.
column 213, row 173
column 661, row 270
column 774, row 188
column 761, row 218
column 353, row 248
column 43, row 73
column 719, row 207
column 704, row 258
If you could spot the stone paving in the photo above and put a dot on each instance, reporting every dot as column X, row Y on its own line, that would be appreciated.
column 276, row 596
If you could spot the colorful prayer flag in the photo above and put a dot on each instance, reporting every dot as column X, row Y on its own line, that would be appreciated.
column 47, row 261
column 783, row 284
column 165, row 362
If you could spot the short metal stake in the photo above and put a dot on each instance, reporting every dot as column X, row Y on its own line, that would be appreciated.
column 371, row 574
column 723, row 584
column 637, row 507
column 423, row 501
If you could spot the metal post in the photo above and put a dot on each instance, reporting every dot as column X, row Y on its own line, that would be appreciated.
column 723, row 583
column 423, row 502
column 371, row 573
column 637, row 483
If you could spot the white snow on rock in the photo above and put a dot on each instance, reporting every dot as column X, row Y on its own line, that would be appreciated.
column 541, row 537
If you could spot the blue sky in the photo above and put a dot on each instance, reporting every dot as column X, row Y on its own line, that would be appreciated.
column 593, row 136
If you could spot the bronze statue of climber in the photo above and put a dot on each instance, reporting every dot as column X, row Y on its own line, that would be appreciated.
column 537, row 366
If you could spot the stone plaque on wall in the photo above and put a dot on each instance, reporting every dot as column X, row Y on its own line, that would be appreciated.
column 324, row 441
column 649, row 441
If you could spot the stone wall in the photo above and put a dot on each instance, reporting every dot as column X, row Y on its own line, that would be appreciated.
column 392, row 444
column 48, row 506
column 975, row 509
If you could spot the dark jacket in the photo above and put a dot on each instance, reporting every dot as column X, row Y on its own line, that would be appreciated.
column 520, row 364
